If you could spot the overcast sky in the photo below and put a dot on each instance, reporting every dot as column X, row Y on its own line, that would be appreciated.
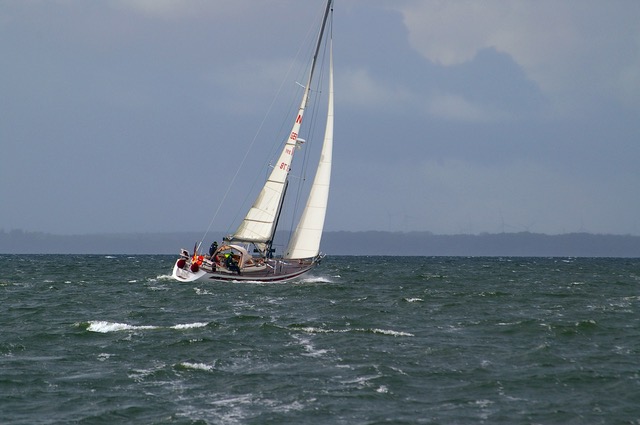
column 451, row 117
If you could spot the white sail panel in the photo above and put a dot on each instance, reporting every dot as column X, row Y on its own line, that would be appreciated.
column 305, row 242
column 258, row 224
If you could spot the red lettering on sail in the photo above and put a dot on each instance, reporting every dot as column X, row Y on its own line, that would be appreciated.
column 294, row 136
column 299, row 119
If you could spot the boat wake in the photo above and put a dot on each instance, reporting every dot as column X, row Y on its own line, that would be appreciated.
column 315, row 279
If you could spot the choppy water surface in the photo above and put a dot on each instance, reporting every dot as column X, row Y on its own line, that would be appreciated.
column 364, row 340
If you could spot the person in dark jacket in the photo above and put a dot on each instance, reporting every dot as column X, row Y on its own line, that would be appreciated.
column 213, row 248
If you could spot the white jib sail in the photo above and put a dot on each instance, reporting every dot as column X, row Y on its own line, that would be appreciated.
column 305, row 242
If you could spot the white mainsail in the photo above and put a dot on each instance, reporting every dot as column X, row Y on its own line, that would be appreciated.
column 258, row 226
column 305, row 242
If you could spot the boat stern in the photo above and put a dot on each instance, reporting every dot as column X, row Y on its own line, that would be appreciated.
column 184, row 271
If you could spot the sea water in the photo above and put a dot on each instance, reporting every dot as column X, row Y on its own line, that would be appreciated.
column 361, row 340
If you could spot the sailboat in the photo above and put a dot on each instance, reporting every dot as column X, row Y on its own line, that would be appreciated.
column 248, row 254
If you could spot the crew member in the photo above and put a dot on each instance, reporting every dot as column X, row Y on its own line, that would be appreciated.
column 231, row 263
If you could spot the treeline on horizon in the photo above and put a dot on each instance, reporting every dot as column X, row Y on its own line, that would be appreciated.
column 522, row 244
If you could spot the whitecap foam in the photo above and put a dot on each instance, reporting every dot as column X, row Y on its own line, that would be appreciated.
column 414, row 300
column 190, row 325
column 139, row 375
column 202, row 291
column 309, row 348
column 509, row 323
column 106, row 327
column 390, row 332
column 197, row 366
column 158, row 288
column 362, row 381
column 102, row 326
column 484, row 403
column 314, row 330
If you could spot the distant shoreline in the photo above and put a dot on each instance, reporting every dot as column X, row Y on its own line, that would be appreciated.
column 522, row 244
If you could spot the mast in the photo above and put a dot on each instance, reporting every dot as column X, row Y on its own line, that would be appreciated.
column 319, row 42
column 260, row 223
column 269, row 244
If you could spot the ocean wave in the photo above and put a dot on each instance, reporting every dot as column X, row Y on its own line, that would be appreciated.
column 159, row 288
column 309, row 348
column 203, row 291
column 311, row 329
column 390, row 332
column 106, row 327
column 382, row 389
column 190, row 325
column 196, row 366
column 102, row 326
column 104, row 356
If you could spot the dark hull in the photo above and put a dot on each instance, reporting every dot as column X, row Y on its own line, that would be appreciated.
column 274, row 270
